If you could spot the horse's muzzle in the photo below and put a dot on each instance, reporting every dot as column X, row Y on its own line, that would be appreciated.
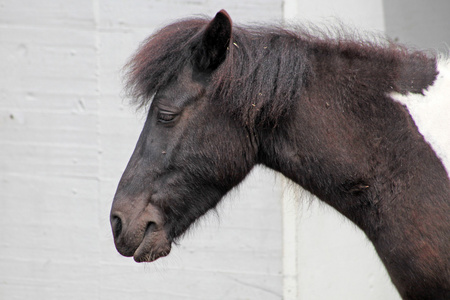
column 139, row 231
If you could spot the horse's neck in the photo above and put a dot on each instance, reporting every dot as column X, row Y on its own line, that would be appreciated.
column 352, row 145
column 360, row 151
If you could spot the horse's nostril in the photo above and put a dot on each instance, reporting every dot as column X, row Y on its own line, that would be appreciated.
column 116, row 224
column 151, row 226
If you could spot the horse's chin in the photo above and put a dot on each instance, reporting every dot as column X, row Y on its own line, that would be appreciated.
column 154, row 245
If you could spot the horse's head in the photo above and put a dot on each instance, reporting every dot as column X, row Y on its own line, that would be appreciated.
column 189, row 154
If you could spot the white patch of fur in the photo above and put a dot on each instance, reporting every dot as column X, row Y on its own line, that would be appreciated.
column 431, row 112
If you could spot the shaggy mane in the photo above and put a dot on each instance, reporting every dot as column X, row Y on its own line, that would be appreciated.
column 266, row 66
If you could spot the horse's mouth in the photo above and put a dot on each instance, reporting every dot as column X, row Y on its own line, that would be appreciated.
column 144, row 238
column 153, row 246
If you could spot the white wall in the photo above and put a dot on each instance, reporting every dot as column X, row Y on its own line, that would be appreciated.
column 423, row 24
column 66, row 135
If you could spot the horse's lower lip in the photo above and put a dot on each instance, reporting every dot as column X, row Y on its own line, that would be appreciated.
column 154, row 245
column 149, row 256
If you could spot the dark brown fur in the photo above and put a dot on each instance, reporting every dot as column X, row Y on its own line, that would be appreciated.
column 317, row 110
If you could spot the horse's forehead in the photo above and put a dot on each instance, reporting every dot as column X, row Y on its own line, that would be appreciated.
column 181, row 88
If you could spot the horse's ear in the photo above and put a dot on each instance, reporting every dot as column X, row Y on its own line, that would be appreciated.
column 213, row 47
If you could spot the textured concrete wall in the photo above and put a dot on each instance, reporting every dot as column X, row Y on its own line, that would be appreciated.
column 65, row 137
column 422, row 24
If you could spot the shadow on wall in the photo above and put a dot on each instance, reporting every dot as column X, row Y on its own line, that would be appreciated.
column 423, row 24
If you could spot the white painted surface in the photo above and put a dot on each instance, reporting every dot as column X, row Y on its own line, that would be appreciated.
column 363, row 15
column 435, row 102
column 65, row 138
column 423, row 24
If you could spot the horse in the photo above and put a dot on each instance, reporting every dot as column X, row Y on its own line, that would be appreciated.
column 336, row 115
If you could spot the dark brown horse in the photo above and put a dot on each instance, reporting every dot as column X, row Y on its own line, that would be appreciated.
column 327, row 113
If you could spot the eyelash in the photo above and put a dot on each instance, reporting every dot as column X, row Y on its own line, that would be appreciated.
column 166, row 117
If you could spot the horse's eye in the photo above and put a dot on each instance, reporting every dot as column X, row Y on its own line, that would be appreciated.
column 166, row 117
